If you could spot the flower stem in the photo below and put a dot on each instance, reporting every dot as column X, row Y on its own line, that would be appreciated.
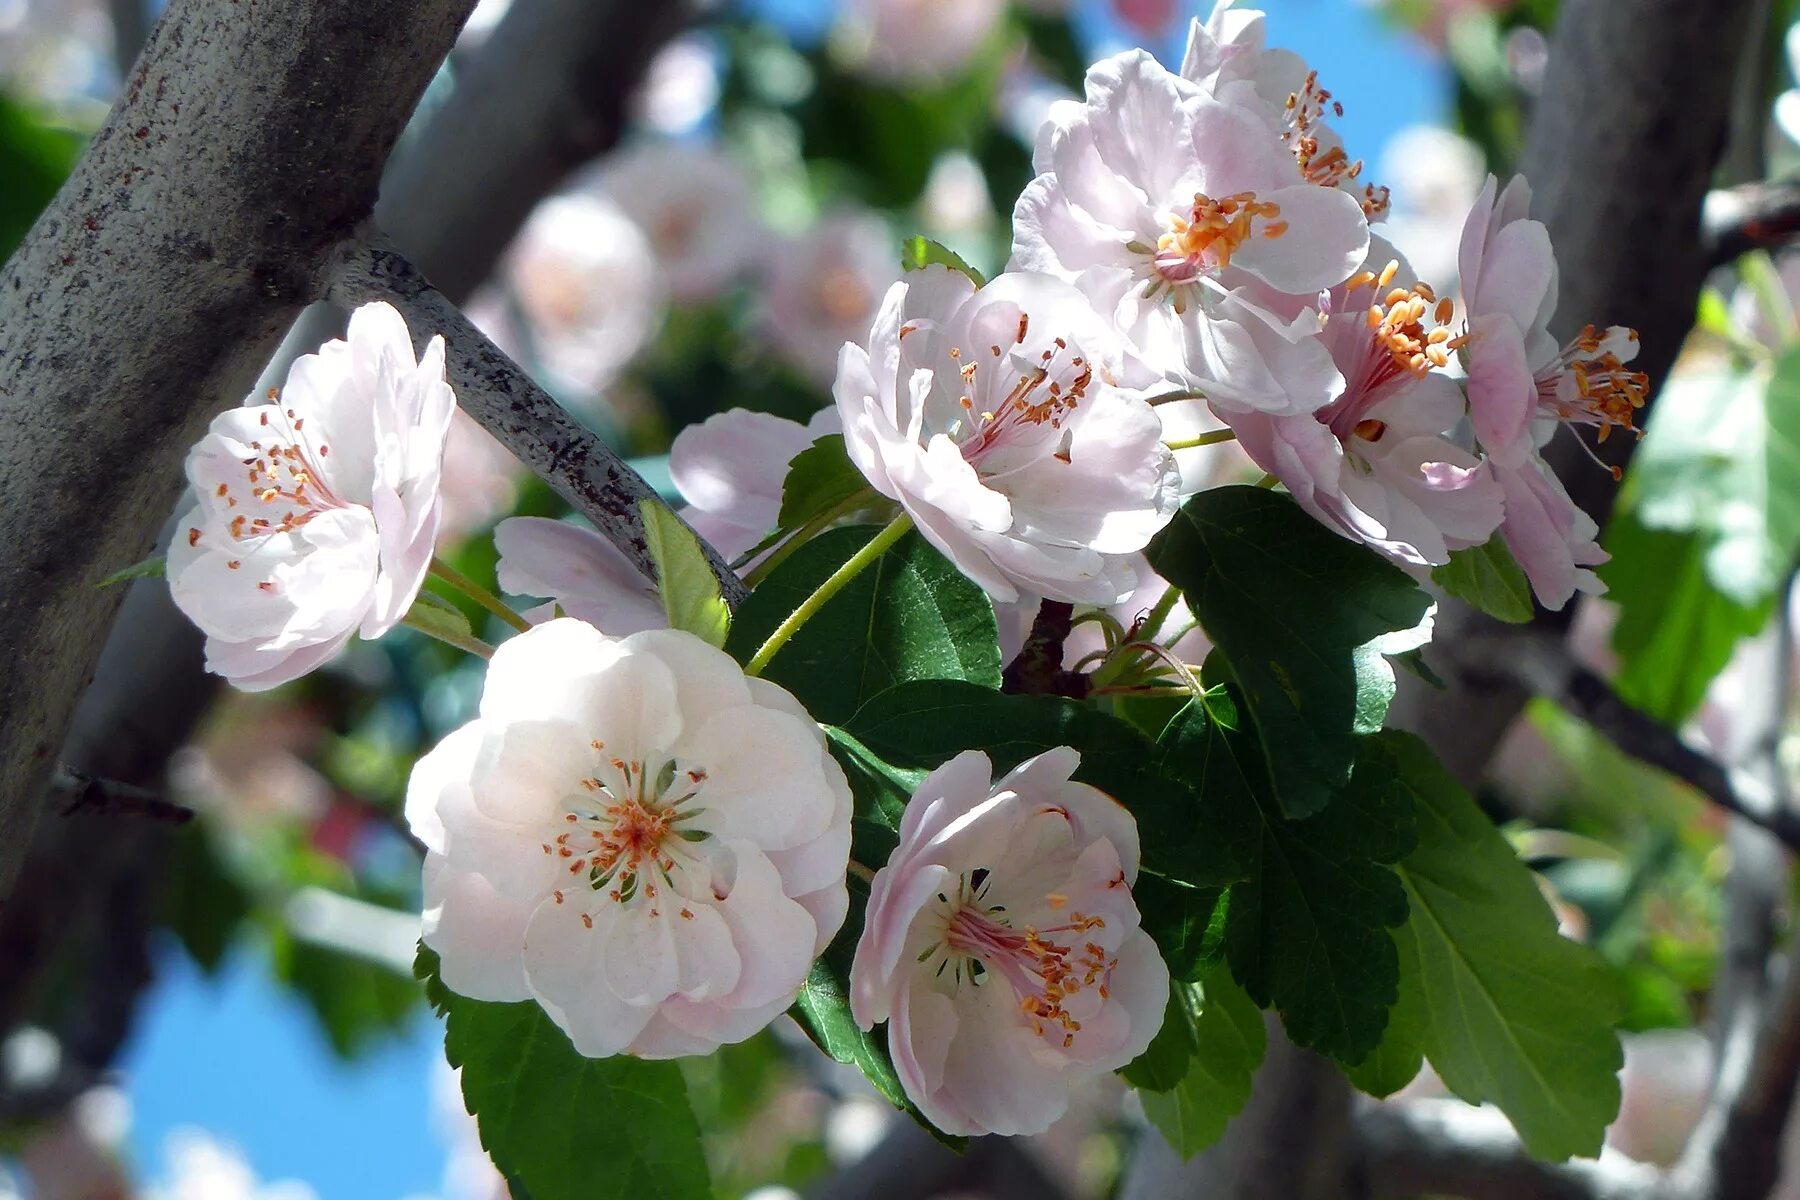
column 1171, row 397
column 467, row 644
column 478, row 594
column 1205, row 439
column 861, row 872
column 1159, row 612
column 1268, row 481
column 877, row 546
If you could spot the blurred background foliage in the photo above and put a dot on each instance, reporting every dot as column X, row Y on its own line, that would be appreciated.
column 649, row 301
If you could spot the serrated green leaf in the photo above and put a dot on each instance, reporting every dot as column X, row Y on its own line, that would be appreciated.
column 154, row 567
column 819, row 479
column 1304, row 618
column 1308, row 933
column 917, row 253
column 684, row 579
column 543, row 1110
column 1676, row 631
column 910, row 616
column 1514, row 1014
column 1397, row 1060
column 1488, row 577
column 922, row 725
column 1229, row 1042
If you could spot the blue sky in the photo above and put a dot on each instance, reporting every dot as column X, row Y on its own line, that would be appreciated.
column 239, row 1057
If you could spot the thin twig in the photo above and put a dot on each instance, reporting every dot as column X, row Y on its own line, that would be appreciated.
column 87, row 794
column 1540, row 664
column 1752, row 216
column 494, row 390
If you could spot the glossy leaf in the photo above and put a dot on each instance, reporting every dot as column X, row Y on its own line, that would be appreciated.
column 684, row 579
column 1490, row 579
column 910, row 616
column 1304, row 618
column 1229, row 1042
column 564, row 1127
column 917, row 253
column 819, row 479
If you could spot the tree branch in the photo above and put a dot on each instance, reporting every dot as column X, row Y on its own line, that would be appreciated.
column 525, row 418
column 1751, row 216
column 1539, row 664
column 193, row 231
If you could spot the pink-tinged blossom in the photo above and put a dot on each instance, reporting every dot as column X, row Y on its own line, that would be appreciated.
column 635, row 835
column 1000, row 420
column 696, row 207
column 823, row 288
column 1227, row 56
column 1189, row 223
column 1377, row 464
column 730, row 469
column 315, row 513
column 1003, row 947
column 1523, row 385
column 581, row 572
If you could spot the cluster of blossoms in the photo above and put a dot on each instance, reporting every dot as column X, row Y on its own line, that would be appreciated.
column 651, row 842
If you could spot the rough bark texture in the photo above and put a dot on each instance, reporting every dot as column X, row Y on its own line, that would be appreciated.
column 548, row 93
column 247, row 144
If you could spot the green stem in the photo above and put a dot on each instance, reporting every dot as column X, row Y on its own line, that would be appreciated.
column 877, row 546
column 1171, row 397
column 1206, row 439
column 1159, row 612
column 478, row 594
column 1758, row 270
column 469, row 645
column 1268, row 481
column 806, row 533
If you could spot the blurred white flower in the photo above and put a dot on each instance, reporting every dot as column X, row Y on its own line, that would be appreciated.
column 201, row 1167
column 696, row 207
column 680, row 87
column 824, row 286
column 916, row 41
column 481, row 480
column 586, row 282
column 956, row 201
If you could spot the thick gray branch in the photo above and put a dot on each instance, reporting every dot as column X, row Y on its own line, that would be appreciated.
column 249, row 141
column 498, row 393
column 547, row 93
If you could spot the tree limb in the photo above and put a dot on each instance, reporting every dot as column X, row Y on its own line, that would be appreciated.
column 525, row 418
column 1751, row 216
column 194, row 229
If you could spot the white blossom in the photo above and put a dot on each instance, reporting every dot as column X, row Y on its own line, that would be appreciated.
column 315, row 514
column 696, row 207
column 635, row 835
column 1004, row 422
column 1003, row 947
column 823, row 287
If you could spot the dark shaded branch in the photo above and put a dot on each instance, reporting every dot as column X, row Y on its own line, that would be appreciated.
column 908, row 1163
column 1447, row 1148
column 1752, row 216
column 1540, row 664
column 152, row 291
column 498, row 393
column 83, row 793
column 547, row 93
column 1039, row 666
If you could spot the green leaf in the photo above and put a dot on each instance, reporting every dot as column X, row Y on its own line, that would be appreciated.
column 1308, row 932
column 1229, row 1041
column 922, row 725
column 1513, row 1013
column 1397, row 1060
column 1304, row 618
column 1676, row 631
column 690, row 590
column 35, row 158
column 819, row 479
column 1488, row 577
column 910, row 616
column 1188, row 923
column 435, row 615
column 561, row 1126
column 1721, row 458
column 1164, row 1063
column 917, row 253
column 154, row 567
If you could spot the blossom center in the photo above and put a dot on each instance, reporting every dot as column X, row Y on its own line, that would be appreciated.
column 1031, row 413
column 1404, row 334
column 282, row 478
column 1600, row 390
column 1044, row 967
column 623, row 837
column 1321, row 165
column 1201, row 239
